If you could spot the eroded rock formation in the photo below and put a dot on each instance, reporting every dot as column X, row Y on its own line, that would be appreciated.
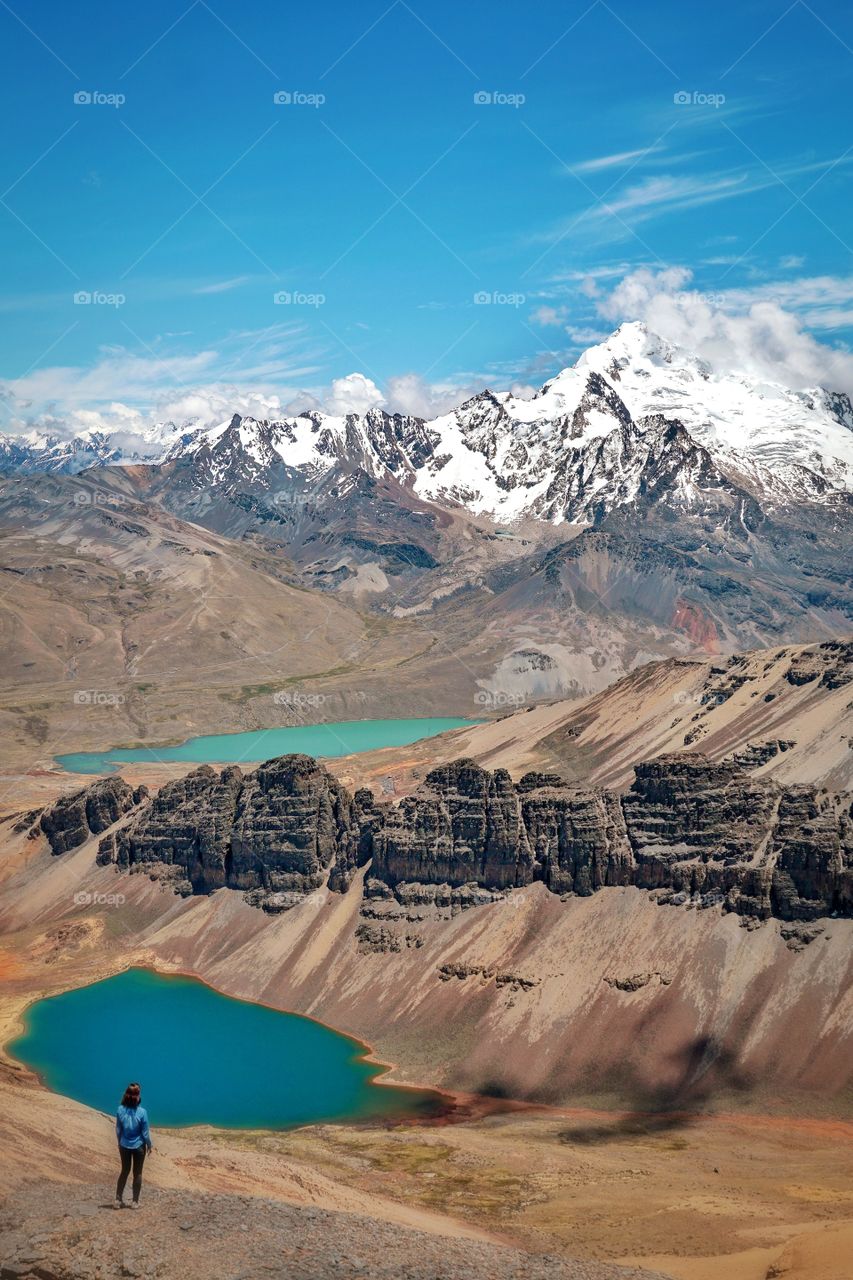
column 188, row 825
column 691, row 830
column 463, row 824
column 72, row 820
column 277, row 833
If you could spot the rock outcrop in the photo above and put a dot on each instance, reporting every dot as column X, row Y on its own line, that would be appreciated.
column 278, row 833
column 294, row 822
column 813, row 868
column 693, row 831
column 188, row 825
column 577, row 835
column 463, row 824
column 72, row 820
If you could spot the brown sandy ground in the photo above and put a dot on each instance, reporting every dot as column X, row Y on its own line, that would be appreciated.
column 73, row 1234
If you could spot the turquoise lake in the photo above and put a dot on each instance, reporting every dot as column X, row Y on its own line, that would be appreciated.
column 346, row 737
column 204, row 1058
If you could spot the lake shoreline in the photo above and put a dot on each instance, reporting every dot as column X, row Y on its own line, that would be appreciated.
column 440, row 1105
column 458, row 1106
column 306, row 739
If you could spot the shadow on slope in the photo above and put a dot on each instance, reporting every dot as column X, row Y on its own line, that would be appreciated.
column 694, row 1075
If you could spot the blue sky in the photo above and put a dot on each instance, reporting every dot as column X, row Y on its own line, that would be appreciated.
column 384, row 200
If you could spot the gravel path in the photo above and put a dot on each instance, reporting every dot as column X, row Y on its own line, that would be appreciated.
column 50, row 1231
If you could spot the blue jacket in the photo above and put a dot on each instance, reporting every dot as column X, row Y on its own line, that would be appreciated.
column 132, row 1128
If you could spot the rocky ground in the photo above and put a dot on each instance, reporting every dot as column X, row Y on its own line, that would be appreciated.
column 73, row 1233
column 723, row 1197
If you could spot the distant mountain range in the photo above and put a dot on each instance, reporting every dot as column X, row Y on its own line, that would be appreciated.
column 599, row 436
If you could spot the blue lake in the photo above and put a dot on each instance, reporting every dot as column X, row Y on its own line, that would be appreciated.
column 204, row 1058
column 344, row 738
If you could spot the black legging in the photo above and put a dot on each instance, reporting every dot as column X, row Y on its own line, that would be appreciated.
column 137, row 1157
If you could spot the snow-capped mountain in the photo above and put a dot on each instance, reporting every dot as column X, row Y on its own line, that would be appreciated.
column 757, row 425
column 635, row 419
column 38, row 451
column 248, row 451
column 591, row 433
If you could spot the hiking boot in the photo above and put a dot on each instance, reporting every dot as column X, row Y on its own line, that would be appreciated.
column 134, row 1204
column 117, row 1204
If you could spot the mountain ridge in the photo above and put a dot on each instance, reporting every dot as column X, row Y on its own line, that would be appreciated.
column 501, row 455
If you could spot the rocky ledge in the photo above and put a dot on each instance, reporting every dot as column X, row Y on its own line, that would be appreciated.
column 693, row 831
column 278, row 833
column 71, row 1232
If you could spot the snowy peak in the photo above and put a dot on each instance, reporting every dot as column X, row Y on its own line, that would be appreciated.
column 39, row 451
column 634, row 345
column 756, row 426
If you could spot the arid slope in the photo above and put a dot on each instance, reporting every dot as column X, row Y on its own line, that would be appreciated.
column 795, row 695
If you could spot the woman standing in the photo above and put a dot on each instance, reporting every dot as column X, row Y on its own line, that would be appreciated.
column 134, row 1140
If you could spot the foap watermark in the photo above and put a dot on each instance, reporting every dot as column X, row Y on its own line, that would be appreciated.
column 497, row 699
column 96, row 298
column 285, row 298
column 497, row 98
column 515, row 900
column 97, row 498
column 98, row 698
column 86, row 899
column 299, row 701
column 494, row 298
column 684, row 898
column 695, row 98
column 296, row 98
column 704, row 698
column 95, row 98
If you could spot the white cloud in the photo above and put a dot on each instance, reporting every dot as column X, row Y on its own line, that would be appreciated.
column 655, row 195
column 821, row 301
column 586, row 337
column 548, row 315
column 222, row 286
column 127, row 393
column 353, row 394
column 614, row 217
column 410, row 393
column 743, row 331
column 609, row 162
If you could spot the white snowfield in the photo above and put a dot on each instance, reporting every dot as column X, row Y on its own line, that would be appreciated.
column 583, row 443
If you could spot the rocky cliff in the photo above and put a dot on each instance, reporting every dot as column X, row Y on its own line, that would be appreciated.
column 693, row 831
column 277, row 833
column 699, row 832
column 72, row 819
